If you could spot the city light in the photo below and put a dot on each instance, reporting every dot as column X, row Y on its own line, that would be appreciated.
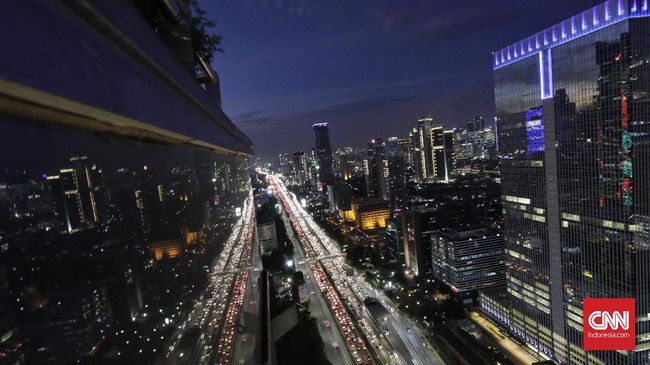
column 321, row 197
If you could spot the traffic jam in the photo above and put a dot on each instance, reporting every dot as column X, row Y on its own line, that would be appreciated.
column 353, row 340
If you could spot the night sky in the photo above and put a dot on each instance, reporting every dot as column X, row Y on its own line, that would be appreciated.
column 368, row 67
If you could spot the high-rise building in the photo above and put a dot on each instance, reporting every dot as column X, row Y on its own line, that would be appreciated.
column 416, row 240
column 416, row 164
column 300, row 167
column 476, row 142
column 573, row 102
column 323, row 154
column 349, row 162
column 77, row 193
column 436, row 151
column 468, row 260
column 445, row 167
column 376, row 170
column 475, row 124
column 397, row 179
column 285, row 163
column 425, row 147
column 406, row 150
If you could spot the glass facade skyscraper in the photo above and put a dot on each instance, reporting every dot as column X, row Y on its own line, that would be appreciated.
column 574, row 108
column 323, row 154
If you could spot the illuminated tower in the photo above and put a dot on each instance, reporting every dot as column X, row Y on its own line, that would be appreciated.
column 323, row 154
column 376, row 166
column 574, row 140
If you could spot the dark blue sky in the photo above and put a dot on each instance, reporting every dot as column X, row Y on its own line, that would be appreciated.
column 368, row 67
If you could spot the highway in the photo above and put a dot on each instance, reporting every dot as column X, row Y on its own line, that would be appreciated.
column 395, row 339
column 206, row 334
column 354, row 342
column 246, row 346
column 335, row 347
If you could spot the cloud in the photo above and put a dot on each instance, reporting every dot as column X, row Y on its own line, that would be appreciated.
column 354, row 93
column 353, row 123
column 302, row 8
column 437, row 20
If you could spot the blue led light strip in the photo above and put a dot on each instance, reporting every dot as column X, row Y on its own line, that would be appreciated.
column 546, row 73
column 600, row 16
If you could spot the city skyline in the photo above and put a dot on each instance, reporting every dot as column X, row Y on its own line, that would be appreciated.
column 433, row 182
column 375, row 66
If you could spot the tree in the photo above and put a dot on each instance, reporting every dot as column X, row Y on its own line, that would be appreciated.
column 205, row 43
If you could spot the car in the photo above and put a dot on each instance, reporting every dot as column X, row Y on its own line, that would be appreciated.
column 328, row 324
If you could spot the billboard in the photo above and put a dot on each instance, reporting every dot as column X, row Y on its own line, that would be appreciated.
column 535, row 130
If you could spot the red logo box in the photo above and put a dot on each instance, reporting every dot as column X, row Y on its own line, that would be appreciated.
column 609, row 324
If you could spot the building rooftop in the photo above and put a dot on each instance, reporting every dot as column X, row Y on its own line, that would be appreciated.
column 369, row 203
column 588, row 21
column 461, row 235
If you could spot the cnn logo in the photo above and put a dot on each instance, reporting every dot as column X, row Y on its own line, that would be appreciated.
column 602, row 320
column 609, row 324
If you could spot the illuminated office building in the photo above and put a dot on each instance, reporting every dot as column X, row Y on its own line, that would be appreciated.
column 397, row 178
column 376, row 170
column 436, row 150
column 445, row 156
column 468, row 260
column 425, row 147
column 416, row 240
column 77, row 194
column 285, row 163
column 300, row 167
column 476, row 142
column 323, row 154
column 574, row 108
column 369, row 214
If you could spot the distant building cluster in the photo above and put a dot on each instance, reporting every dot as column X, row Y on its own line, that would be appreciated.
column 390, row 169
column 414, row 190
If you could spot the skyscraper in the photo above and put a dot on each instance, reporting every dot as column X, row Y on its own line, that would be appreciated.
column 300, row 167
column 468, row 260
column 436, row 150
column 475, row 124
column 476, row 142
column 444, row 168
column 285, row 163
column 323, row 154
column 573, row 102
column 424, row 143
column 397, row 178
column 377, row 170
column 77, row 193
column 416, row 157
